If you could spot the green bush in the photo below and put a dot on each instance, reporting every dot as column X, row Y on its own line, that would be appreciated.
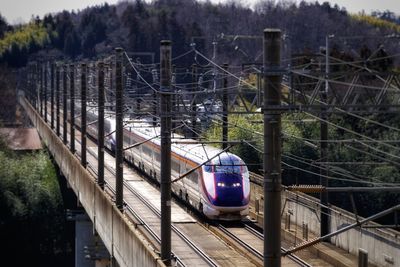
column 32, row 217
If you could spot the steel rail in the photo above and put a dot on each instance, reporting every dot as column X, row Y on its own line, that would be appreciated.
column 291, row 256
column 132, row 211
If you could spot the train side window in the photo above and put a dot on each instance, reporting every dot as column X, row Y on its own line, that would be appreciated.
column 157, row 156
column 107, row 127
column 193, row 177
column 127, row 138
column 182, row 169
column 147, row 151
column 132, row 138
column 175, row 166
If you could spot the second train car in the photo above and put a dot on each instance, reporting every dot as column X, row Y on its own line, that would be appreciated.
column 219, row 188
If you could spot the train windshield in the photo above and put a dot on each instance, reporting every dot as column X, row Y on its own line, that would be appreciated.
column 227, row 169
column 228, row 165
column 222, row 168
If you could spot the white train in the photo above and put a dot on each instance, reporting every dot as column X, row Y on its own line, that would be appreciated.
column 220, row 188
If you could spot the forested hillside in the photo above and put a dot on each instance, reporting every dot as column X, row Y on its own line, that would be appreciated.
column 138, row 26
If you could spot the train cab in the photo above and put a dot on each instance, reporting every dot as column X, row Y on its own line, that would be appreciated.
column 227, row 186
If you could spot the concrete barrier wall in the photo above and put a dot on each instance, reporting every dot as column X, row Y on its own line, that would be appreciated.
column 127, row 245
column 382, row 245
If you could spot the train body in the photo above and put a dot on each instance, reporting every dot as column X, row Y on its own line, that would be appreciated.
column 219, row 188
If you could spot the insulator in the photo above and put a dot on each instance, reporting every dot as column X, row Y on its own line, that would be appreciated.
column 307, row 188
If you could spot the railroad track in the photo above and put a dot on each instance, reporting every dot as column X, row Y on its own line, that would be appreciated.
column 251, row 240
column 295, row 258
column 142, row 223
column 234, row 236
column 139, row 221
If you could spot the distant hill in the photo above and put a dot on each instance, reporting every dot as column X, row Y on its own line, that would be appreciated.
column 139, row 26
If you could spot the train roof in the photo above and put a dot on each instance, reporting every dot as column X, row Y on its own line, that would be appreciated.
column 191, row 149
column 109, row 116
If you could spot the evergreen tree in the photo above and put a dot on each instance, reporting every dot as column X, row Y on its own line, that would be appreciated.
column 3, row 26
column 72, row 45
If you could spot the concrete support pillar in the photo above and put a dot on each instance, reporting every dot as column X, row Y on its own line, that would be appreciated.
column 89, row 249
column 83, row 237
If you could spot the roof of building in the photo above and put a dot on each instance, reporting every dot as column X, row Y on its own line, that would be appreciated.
column 21, row 138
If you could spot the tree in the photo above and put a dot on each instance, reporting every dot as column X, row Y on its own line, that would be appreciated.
column 131, row 20
column 30, row 199
column 72, row 45
column 64, row 25
column 93, row 31
column 3, row 26
column 244, row 131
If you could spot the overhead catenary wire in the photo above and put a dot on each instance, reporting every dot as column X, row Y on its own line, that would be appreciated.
column 349, row 178
column 153, row 104
column 332, row 178
column 354, row 179
column 319, row 78
column 138, row 73
column 353, row 132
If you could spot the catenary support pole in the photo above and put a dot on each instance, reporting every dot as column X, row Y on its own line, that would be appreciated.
column 119, row 129
column 40, row 67
column 58, row 92
column 65, row 108
column 30, row 83
column 83, row 114
column 155, row 105
column 52, row 95
column 34, row 82
column 362, row 258
column 165, row 114
column 100, row 102
column 45, row 90
column 225, row 105
column 72, row 106
column 193, row 102
column 174, row 104
column 272, row 148
column 324, row 148
column 37, row 86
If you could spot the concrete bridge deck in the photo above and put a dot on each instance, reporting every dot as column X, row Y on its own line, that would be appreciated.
column 122, row 233
column 126, row 236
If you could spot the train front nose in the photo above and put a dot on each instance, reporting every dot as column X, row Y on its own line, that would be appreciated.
column 229, row 190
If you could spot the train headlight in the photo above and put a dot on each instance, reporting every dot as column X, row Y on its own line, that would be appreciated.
column 221, row 184
column 236, row 184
